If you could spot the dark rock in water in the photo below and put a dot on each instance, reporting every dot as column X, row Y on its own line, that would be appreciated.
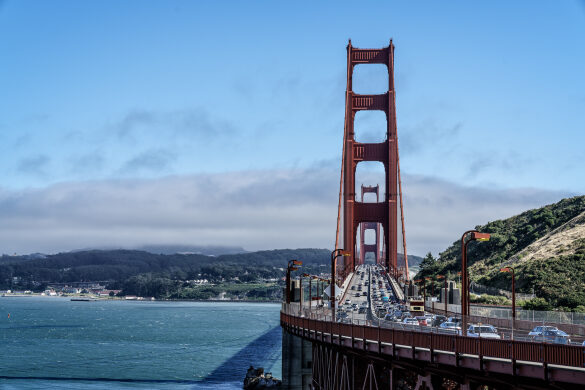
column 257, row 379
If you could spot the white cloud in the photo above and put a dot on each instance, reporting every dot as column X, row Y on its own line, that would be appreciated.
column 252, row 209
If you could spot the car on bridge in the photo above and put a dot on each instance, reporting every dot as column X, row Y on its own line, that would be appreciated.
column 537, row 331
column 410, row 321
column 450, row 327
column 483, row 331
column 553, row 336
column 422, row 320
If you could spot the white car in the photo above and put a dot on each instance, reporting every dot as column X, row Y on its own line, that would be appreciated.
column 410, row 321
column 348, row 301
column 450, row 327
column 483, row 331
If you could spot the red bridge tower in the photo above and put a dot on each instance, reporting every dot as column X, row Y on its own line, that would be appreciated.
column 383, row 212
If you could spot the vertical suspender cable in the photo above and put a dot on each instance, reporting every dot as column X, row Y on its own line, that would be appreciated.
column 402, row 214
column 342, row 157
column 399, row 178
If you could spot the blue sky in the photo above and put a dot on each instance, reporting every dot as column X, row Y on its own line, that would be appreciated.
column 102, row 102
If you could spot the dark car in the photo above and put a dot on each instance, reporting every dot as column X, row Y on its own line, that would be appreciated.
column 456, row 320
column 438, row 320
column 553, row 336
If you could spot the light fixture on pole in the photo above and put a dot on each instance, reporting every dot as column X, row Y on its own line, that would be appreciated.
column 334, row 255
column 292, row 266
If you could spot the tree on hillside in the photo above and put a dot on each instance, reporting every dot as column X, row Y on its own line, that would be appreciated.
column 427, row 263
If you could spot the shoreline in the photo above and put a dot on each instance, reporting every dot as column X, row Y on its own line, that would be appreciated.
column 137, row 300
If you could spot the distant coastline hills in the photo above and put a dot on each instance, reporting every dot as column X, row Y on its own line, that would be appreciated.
column 140, row 271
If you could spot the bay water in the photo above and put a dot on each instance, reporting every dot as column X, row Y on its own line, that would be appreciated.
column 55, row 343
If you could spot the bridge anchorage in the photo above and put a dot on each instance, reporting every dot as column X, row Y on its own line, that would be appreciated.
column 364, row 351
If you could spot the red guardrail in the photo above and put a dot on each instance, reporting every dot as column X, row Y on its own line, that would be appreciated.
column 562, row 355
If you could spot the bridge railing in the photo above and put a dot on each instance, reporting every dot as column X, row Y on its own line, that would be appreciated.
column 396, row 335
column 519, row 327
column 504, row 327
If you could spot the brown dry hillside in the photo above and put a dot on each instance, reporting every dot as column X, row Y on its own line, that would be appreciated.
column 546, row 246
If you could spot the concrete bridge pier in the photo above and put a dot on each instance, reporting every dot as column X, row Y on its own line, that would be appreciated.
column 297, row 362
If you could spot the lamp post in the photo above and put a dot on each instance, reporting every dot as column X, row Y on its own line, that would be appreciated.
column 316, row 279
column 511, row 270
column 432, row 286
column 432, row 289
column 311, row 277
column 475, row 236
column 291, row 267
column 334, row 255
column 445, row 299
column 419, row 282
column 307, row 276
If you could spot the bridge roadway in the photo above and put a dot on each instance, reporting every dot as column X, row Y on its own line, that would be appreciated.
column 501, row 364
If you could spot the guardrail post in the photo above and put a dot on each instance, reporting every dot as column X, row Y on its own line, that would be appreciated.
column 379, row 342
column 480, row 341
column 413, row 348
column 545, row 363
column 513, row 357
column 455, row 350
column 431, row 347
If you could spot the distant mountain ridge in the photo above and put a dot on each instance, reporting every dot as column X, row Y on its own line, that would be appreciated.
column 168, row 249
column 118, row 265
column 121, row 264
column 546, row 246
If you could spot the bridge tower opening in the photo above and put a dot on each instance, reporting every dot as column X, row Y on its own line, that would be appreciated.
column 354, row 214
column 367, row 248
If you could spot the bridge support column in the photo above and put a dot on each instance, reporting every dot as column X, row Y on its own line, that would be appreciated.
column 424, row 383
column 297, row 362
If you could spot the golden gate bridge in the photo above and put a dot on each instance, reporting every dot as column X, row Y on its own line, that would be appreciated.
column 323, row 351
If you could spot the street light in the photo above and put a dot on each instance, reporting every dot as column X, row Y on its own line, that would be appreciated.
column 511, row 270
column 316, row 278
column 310, row 292
column 334, row 255
column 445, row 292
column 419, row 281
column 475, row 236
column 432, row 289
column 292, row 266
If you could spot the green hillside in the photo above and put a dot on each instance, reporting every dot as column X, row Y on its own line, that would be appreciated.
column 546, row 246
column 116, row 266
